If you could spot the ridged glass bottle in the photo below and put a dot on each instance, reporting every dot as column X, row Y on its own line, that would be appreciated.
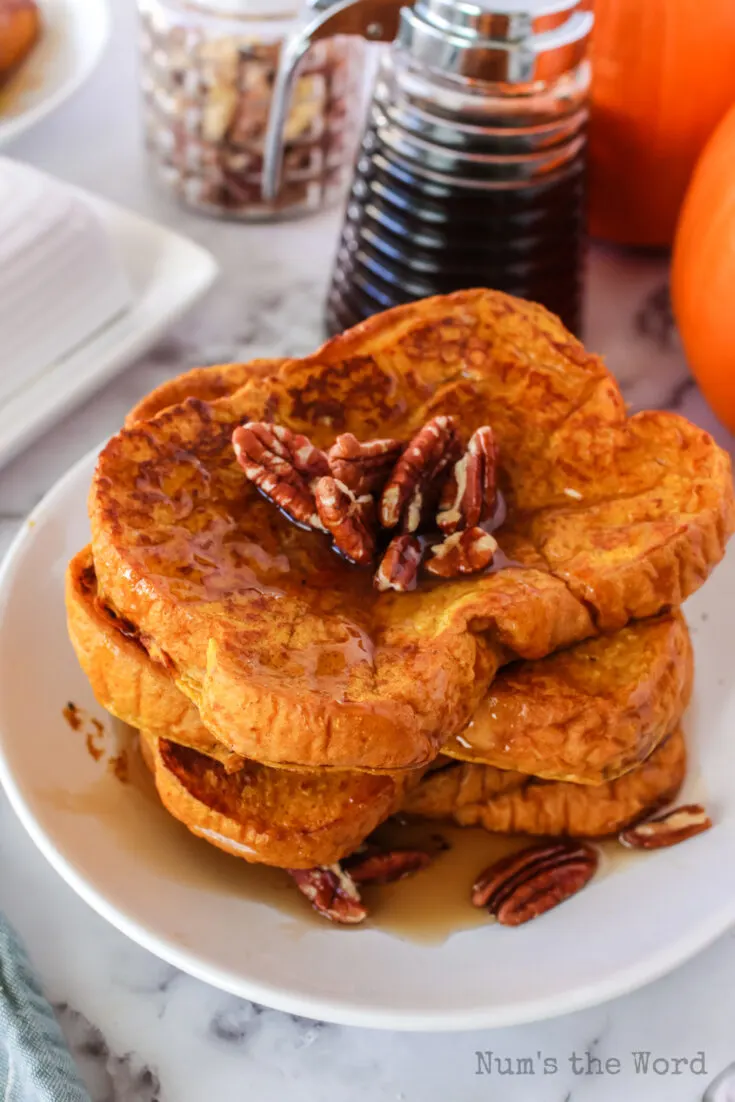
column 463, row 183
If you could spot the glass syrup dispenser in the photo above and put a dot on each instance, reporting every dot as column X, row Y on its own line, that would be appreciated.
column 472, row 165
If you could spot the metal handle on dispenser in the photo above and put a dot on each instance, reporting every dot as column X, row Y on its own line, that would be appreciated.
column 375, row 20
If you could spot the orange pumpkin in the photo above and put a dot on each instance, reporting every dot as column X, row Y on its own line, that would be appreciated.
column 703, row 272
column 663, row 77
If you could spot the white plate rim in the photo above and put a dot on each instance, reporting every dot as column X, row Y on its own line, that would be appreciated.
column 343, row 1012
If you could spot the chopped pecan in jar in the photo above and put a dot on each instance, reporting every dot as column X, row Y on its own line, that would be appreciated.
column 207, row 90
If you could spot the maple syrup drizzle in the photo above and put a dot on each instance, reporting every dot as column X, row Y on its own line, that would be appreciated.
column 71, row 714
column 426, row 909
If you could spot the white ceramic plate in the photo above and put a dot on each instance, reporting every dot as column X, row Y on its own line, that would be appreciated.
column 188, row 903
column 167, row 274
column 75, row 33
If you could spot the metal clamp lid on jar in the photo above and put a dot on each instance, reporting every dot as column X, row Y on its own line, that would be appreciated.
column 498, row 41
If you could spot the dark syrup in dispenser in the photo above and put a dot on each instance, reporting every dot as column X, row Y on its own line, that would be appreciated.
column 487, row 212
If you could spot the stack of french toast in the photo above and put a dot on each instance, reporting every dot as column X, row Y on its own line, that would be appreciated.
column 433, row 569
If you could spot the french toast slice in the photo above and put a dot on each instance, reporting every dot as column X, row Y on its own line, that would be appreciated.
column 126, row 680
column 295, row 819
column 514, row 803
column 288, row 652
column 586, row 714
column 271, row 816
column 280, row 816
column 205, row 383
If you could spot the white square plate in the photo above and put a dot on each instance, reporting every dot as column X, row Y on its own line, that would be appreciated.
column 167, row 274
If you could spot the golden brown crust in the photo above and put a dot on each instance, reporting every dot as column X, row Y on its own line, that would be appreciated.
column 205, row 383
column 513, row 803
column 20, row 26
column 586, row 714
column 272, row 816
column 285, row 817
column 124, row 678
column 290, row 817
column 287, row 652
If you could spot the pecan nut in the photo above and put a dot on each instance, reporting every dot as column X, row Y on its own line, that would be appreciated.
column 363, row 467
column 387, row 866
column 332, row 892
column 669, row 829
column 405, row 496
column 462, row 553
column 524, row 885
column 292, row 447
column 469, row 495
column 347, row 518
column 399, row 566
column 284, row 467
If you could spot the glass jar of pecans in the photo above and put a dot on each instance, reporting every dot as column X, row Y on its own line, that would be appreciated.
column 208, row 68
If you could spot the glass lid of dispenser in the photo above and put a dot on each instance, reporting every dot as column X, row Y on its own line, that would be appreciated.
column 509, row 41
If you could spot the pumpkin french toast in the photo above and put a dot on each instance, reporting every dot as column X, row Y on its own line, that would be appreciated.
column 432, row 568
column 289, row 652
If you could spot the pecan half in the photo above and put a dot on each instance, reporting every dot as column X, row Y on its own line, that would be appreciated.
column 415, row 475
column 399, row 566
column 283, row 465
column 669, row 829
column 349, row 519
column 525, row 885
column 387, row 866
column 462, row 553
column 468, row 497
column 363, row 467
column 332, row 892
column 308, row 460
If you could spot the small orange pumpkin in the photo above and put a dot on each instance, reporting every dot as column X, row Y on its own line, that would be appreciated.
column 663, row 77
column 703, row 272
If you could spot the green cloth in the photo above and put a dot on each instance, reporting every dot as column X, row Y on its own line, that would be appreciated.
column 35, row 1065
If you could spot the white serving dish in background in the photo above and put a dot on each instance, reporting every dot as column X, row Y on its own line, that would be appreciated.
column 165, row 272
column 75, row 33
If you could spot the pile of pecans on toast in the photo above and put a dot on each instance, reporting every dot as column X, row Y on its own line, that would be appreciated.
column 429, row 498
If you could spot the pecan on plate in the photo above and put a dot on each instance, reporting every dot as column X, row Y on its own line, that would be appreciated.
column 332, row 892
column 525, row 885
column 363, row 467
column 284, row 466
column 407, row 495
column 399, row 566
column 667, row 830
column 386, row 866
column 349, row 519
column 468, row 497
column 462, row 553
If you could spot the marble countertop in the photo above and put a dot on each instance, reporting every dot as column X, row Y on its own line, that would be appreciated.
column 140, row 1030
